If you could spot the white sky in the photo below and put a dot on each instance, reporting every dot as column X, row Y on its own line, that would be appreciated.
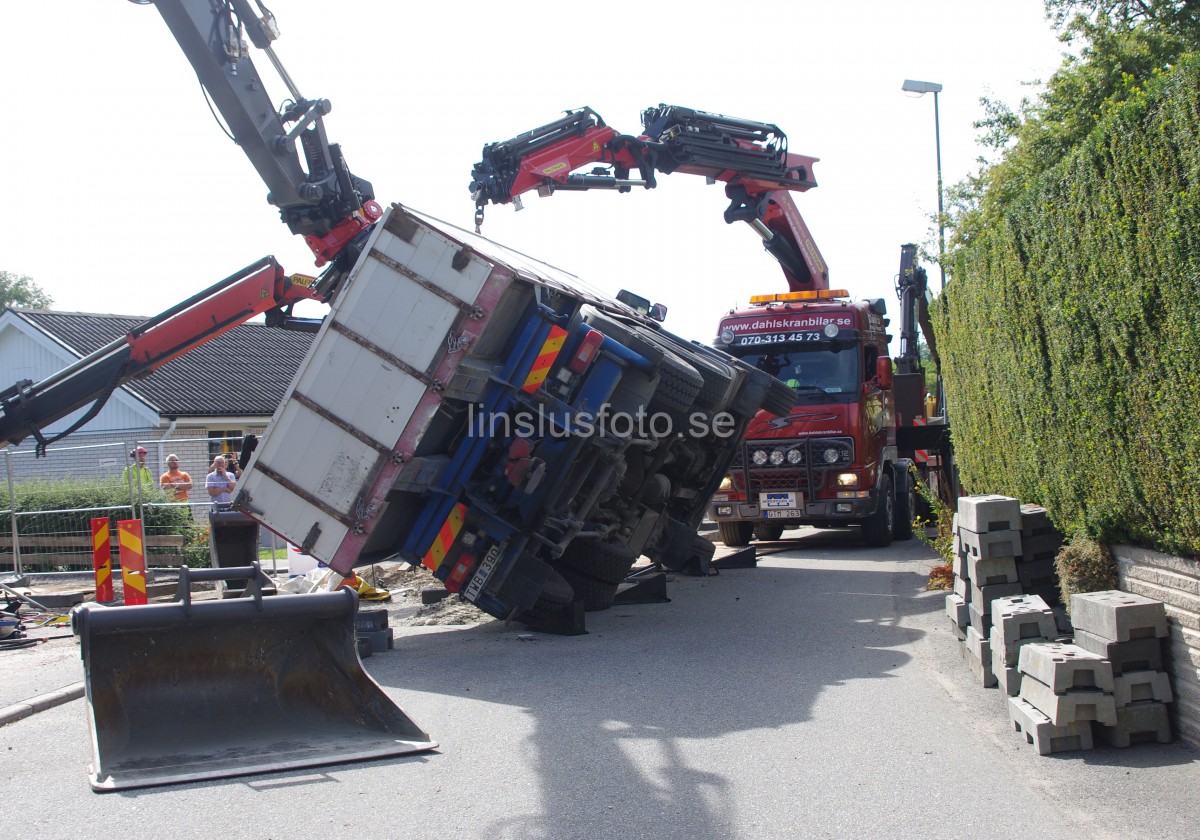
column 122, row 195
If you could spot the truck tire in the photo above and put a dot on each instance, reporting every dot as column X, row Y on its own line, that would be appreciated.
column 780, row 399
column 877, row 530
column 735, row 534
column 678, row 385
column 596, row 594
column 556, row 595
column 906, row 503
column 606, row 561
column 717, row 377
column 768, row 532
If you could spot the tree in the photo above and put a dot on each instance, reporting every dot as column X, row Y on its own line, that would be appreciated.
column 20, row 292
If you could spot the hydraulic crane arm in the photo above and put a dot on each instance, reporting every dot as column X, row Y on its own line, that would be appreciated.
column 750, row 158
column 912, row 287
column 261, row 288
column 307, row 176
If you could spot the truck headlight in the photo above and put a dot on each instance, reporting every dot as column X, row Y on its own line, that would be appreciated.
column 759, row 457
column 726, row 484
column 831, row 455
column 776, row 457
column 847, row 480
column 795, row 456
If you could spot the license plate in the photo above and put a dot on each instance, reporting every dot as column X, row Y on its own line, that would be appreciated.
column 783, row 514
column 485, row 571
column 767, row 501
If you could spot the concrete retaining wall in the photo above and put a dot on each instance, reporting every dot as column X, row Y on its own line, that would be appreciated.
column 1176, row 582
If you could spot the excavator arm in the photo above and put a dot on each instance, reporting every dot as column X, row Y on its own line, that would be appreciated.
column 259, row 289
column 750, row 158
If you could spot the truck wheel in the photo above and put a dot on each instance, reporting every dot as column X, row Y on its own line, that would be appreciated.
column 678, row 386
column 735, row 534
column 906, row 503
column 780, row 399
column 767, row 532
column 596, row 594
column 605, row 561
column 555, row 597
column 877, row 531
column 717, row 377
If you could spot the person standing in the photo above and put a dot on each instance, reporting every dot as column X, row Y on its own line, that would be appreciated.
column 138, row 468
column 175, row 480
column 220, row 483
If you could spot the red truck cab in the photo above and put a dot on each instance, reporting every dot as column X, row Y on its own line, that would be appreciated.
column 832, row 460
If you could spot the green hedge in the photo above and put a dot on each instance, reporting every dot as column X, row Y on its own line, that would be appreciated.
column 1070, row 332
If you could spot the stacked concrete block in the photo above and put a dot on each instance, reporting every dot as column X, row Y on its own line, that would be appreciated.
column 1040, row 542
column 987, row 533
column 1129, row 629
column 1017, row 621
column 957, row 601
column 977, row 650
column 1070, row 687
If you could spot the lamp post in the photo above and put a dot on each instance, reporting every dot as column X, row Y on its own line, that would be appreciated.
column 922, row 88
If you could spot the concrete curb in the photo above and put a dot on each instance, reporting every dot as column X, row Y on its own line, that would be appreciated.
column 20, row 711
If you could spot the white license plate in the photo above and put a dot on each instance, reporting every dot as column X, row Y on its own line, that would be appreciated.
column 783, row 514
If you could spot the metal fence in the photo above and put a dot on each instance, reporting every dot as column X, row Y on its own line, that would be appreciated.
column 38, row 533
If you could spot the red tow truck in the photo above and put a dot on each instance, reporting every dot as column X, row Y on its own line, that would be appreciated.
column 844, row 453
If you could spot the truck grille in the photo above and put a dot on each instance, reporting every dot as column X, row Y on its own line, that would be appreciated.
column 808, row 462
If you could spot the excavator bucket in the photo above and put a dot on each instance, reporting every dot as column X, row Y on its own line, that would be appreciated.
column 190, row 690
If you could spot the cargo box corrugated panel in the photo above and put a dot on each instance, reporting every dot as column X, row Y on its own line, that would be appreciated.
column 365, row 393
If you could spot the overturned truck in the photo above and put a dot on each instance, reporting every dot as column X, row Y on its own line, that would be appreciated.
column 486, row 415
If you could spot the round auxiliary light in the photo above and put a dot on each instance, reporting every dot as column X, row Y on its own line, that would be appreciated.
column 726, row 336
column 759, row 457
column 831, row 455
column 831, row 330
column 777, row 457
column 794, row 456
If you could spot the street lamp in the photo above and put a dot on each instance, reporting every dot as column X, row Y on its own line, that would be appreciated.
column 922, row 88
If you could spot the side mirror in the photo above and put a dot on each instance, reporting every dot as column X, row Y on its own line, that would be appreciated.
column 883, row 372
column 658, row 312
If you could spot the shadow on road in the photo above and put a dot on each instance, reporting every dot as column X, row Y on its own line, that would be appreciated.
column 669, row 700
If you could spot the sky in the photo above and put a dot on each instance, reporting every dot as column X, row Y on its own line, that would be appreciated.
column 122, row 195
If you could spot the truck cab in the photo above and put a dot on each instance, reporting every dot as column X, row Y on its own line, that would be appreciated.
column 832, row 460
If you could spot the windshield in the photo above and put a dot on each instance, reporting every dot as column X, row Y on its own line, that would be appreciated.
column 819, row 369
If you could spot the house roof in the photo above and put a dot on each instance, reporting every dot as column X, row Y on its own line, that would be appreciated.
column 245, row 371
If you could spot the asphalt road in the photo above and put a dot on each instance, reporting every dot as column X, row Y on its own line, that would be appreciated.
column 818, row 695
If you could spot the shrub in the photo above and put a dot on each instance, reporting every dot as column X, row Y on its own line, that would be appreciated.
column 1085, row 565
column 941, row 576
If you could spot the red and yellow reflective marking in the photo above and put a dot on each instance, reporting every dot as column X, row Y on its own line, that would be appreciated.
column 447, row 534
column 133, row 561
column 541, row 366
column 102, row 560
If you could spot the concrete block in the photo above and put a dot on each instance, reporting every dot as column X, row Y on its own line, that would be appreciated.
column 985, row 571
column 982, row 596
column 1035, row 520
column 1072, row 707
column 959, row 564
column 1017, row 622
column 1039, row 547
column 991, row 544
column 960, row 633
column 1065, row 628
column 1139, row 723
column 1010, row 652
column 380, row 641
column 1118, row 616
column 1137, row 655
column 1044, row 735
column 1037, row 573
column 979, row 646
column 956, row 608
column 989, row 513
column 1013, row 602
column 981, row 669
column 962, row 588
column 1066, row 668
column 980, row 622
column 1007, row 676
column 1142, row 686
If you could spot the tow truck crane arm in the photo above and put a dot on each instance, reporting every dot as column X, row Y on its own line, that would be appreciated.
column 317, row 196
column 261, row 288
column 750, row 158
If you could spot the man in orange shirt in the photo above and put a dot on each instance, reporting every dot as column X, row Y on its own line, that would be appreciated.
column 175, row 479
